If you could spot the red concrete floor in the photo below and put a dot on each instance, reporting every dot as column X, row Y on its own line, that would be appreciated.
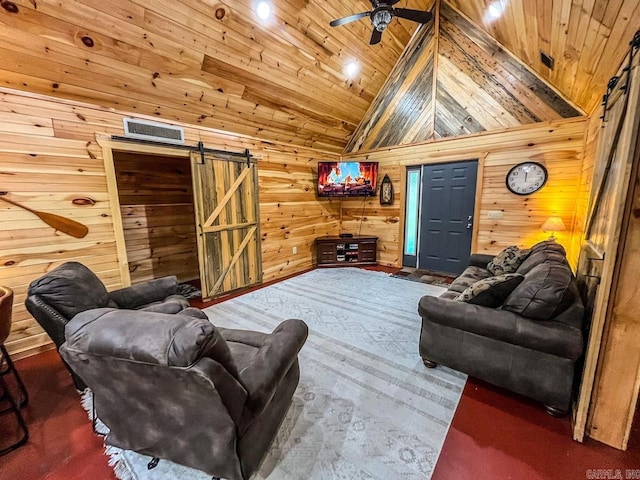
column 495, row 435
column 62, row 445
column 498, row 435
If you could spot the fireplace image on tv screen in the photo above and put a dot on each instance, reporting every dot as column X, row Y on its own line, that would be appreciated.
column 347, row 179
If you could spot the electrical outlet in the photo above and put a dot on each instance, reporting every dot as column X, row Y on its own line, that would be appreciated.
column 295, row 250
column 494, row 214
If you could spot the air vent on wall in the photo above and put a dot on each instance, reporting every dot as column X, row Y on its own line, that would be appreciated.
column 547, row 60
column 157, row 132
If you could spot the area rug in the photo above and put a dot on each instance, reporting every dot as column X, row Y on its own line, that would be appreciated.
column 366, row 407
column 425, row 276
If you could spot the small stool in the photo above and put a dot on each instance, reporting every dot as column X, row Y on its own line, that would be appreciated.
column 7, row 367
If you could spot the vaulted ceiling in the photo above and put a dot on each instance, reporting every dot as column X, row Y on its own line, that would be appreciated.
column 586, row 38
column 455, row 79
column 215, row 63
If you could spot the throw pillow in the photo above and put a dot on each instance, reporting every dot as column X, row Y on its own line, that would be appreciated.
column 508, row 260
column 492, row 291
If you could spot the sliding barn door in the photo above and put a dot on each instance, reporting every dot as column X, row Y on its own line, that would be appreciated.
column 610, row 386
column 225, row 194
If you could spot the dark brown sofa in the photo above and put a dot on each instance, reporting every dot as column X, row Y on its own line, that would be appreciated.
column 530, row 344
column 174, row 386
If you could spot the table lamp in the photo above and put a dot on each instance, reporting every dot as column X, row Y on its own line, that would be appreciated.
column 553, row 224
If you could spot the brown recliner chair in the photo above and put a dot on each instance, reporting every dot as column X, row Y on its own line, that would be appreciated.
column 71, row 288
column 178, row 388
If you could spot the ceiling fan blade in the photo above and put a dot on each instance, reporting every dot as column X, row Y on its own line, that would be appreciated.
column 376, row 36
column 414, row 15
column 349, row 19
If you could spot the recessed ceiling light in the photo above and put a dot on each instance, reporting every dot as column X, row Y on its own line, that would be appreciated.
column 351, row 69
column 263, row 9
column 496, row 9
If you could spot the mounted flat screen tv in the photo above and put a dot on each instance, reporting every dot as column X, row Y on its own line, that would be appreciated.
column 347, row 179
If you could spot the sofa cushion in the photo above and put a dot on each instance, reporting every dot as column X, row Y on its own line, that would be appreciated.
column 492, row 291
column 548, row 251
column 449, row 295
column 549, row 244
column 540, row 257
column 171, row 304
column 470, row 276
column 507, row 261
column 544, row 292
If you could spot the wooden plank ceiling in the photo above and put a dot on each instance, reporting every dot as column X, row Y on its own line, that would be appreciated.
column 403, row 110
column 207, row 62
column 471, row 85
column 587, row 38
column 213, row 63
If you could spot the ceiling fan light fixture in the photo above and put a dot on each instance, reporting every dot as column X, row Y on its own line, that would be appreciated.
column 381, row 20
column 381, row 16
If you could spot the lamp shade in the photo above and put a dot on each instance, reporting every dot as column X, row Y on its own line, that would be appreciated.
column 553, row 224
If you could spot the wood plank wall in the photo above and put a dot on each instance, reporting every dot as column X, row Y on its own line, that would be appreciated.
column 156, row 203
column 557, row 144
column 367, row 217
column 49, row 157
column 291, row 215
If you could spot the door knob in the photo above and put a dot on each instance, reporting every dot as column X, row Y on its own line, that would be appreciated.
column 469, row 225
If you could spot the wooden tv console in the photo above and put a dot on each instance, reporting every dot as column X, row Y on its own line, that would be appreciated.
column 346, row 251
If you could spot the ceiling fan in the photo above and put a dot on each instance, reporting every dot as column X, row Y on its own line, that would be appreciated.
column 381, row 15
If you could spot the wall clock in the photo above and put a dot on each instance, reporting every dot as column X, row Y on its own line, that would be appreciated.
column 526, row 178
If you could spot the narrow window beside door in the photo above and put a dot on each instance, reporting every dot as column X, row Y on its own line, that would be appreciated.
column 412, row 209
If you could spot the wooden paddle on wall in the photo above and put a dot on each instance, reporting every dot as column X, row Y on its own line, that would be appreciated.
column 63, row 224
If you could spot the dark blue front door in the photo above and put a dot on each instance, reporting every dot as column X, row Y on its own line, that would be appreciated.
column 446, row 216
